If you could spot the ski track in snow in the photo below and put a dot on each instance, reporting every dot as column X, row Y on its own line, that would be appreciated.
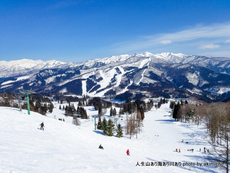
column 64, row 147
column 143, row 63
column 107, row 76
column 119, row 77
column 142, row 76
column 126, row 88
column 84, row 87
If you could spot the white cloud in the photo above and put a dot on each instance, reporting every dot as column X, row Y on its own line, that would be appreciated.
column 188, row 37
column 227, row 41
column 213, row 31
column 166, row 41
column 209, row 46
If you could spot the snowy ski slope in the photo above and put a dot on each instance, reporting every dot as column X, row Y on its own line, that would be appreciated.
column 66, row 148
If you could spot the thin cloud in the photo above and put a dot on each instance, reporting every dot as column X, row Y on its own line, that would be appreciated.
column 213, row 31
column 191, row 35
column 210, row 46
column 166, row 41
column 217, row 53
column 227, row 41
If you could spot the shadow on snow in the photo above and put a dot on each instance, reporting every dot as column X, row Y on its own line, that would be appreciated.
column 99, row 132
column 167, row 121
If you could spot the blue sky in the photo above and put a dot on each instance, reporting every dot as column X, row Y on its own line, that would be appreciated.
column 79, row 30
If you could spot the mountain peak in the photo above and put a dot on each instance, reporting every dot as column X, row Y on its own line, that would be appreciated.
column 120, row 75
column 147, row 54
column 24, row 66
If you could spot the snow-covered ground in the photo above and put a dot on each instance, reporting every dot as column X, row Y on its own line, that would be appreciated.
column 64, row 147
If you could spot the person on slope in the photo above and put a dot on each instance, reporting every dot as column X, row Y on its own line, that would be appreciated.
column 128, row 153
column 42, row 126
column 100, row 147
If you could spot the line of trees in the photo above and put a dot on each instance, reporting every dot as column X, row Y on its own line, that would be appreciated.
column 109, row 128
column 216, row 117
column 113, row 112
column 37, row 102
column 134, row 123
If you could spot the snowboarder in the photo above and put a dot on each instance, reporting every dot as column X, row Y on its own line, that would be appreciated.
column 100, row 147
column 176, row 149
column 128, row 153
column 179, row 150
column 42, row 126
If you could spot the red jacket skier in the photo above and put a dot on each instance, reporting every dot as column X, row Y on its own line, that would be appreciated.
column 128, row 153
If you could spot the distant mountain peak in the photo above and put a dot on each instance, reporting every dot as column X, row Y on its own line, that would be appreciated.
column 137, row 75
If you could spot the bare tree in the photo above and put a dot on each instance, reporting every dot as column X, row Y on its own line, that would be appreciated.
column 134, row 124
column 218, row 126
column 130, row 127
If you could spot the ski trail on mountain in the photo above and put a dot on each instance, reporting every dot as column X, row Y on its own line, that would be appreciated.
column 163, row 135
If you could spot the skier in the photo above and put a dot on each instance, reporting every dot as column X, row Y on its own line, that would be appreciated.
column 42, row 126
column 128, row 153
column 100, row 147
column 176, row 149
column 179, row 150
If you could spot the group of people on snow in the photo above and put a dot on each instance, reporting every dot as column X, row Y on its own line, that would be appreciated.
column 205, row 150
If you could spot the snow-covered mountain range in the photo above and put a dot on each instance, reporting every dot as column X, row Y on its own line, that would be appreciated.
column 137, row 75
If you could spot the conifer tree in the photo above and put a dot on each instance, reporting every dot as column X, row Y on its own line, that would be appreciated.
column 125, row 108
column 111, row 111
column 176, row 110
column 114, row 112
column 50, row 108
column 104, row 127
column 172, row 104
column 110, row 128
column 119, row 131
column 44, row 109
column 99, row 125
